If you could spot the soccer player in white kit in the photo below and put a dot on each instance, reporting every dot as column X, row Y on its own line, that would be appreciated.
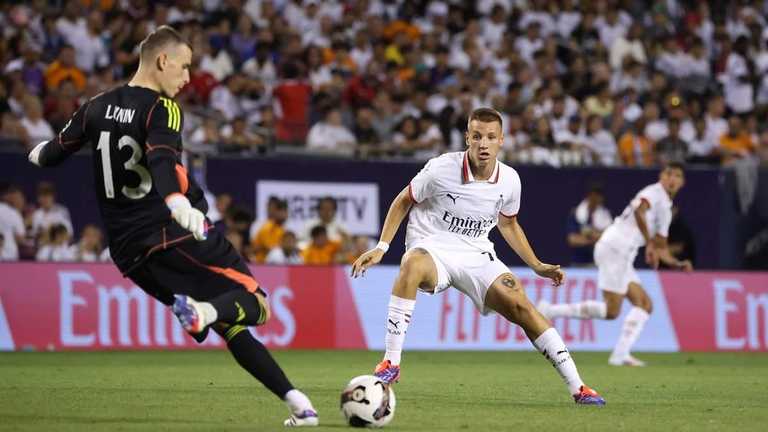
column 645, row 221
column 454, row 202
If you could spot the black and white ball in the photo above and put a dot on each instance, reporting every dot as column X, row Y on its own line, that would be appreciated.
column 368, row 402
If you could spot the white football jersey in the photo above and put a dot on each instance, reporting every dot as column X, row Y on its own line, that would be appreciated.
column 624, row 235
column 450, row 204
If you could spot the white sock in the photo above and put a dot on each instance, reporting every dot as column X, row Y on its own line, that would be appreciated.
column 298, row 402
column 398, row 318
column 630, row 331
column 551, row 345
column 207, row 313
column 585, row 310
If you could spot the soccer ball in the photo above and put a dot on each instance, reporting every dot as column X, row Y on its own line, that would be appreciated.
column 368, row 402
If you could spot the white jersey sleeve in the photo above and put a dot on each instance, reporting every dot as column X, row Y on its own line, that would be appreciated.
column 422, row 186
column 660, row 209
column 511, row 205
column 663, row 220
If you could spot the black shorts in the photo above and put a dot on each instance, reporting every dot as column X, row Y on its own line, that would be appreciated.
column 200, row 269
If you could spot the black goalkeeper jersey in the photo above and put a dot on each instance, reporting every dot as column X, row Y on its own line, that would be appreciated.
column 134, row 133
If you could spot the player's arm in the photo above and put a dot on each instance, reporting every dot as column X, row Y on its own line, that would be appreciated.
column 163, row 151
column 651, row 254
column 665, row 255
column 395, row 215
column 513, row 233
column 67, row 142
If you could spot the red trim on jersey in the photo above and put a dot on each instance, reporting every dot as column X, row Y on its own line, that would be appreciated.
column 165, row 244
column 150, row 147
column 151, row 110
column 410, row 193
column 508, row 216
column 465, row 169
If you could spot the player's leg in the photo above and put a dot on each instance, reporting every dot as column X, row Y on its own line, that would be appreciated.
column 215, row 273
column 610, row 270
column 254, row 357
column 223, row 290
column 417, row 269
column 642, row 306
column 507, row 297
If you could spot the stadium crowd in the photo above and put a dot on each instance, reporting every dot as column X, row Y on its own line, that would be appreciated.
column 613, row 83
column 43, row 231
column 579, row 83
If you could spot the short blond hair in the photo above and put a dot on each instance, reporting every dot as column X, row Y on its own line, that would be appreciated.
column 162, row 36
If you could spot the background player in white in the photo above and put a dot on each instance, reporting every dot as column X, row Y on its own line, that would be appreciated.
column 454, row 202
column 645, row 221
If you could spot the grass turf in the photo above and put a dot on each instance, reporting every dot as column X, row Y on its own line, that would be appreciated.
column 439, row 391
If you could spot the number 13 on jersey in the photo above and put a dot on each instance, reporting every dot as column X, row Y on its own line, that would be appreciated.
column 132, row 164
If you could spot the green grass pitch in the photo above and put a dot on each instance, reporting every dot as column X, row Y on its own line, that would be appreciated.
column 472, row 391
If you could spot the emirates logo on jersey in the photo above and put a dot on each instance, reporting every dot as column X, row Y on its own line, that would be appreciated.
column 467, row 226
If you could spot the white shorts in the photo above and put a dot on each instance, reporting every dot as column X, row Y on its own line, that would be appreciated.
column 615, row 269
column 470, row 271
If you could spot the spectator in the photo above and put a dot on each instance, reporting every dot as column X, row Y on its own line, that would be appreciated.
column 89, row 248
column 600, row 103
column 671, row 148
column 327, row 208
column 56, row 245
column 12, row 133
column 91, row 51
column 237, row 137
column 701, row 149
column 321, row 250
column 287, row 253
column 61, row 105
column 586, row 223
column 635, row 149
column 215, row 59
column 330, row 136
column 268, row 234
column 12, row 227
column 600, row 142
column 368, row 140
column 293, row 97
column 206, row 138
column 716, row 124
column 28, row 67
column 49, row 212
column 34, row 124
column 738, row 77
column 737, row 143
column 225, row 98
column 64, row 69
column 628, row 46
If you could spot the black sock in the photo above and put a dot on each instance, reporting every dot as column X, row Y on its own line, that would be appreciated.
column 239, row 307
column 254, row 357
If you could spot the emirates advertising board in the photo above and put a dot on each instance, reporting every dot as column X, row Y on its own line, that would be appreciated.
column 49, row 306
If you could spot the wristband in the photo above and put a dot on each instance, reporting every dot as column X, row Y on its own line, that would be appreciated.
column 383, row 246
